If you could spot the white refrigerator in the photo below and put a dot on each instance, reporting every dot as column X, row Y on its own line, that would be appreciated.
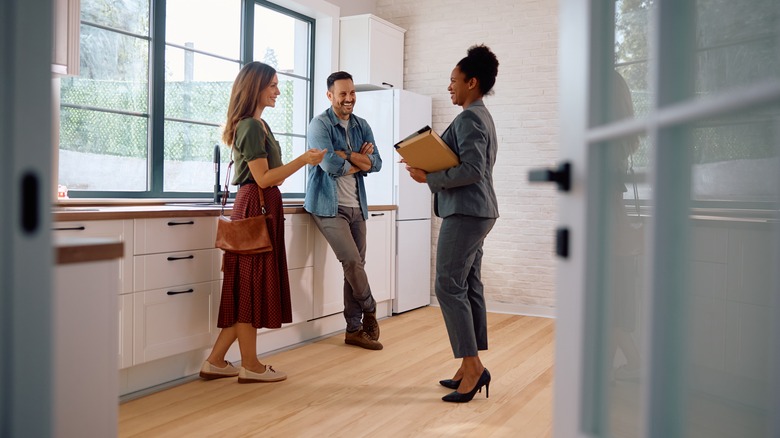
column 393, row 115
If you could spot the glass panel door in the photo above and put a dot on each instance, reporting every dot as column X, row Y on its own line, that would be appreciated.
column 666, row 308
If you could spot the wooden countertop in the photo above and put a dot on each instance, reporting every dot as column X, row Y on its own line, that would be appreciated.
column 82, row 212
column 86, row 249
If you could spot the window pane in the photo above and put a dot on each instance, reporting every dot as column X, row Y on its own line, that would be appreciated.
column 733, row 283
column 197, row 87
column 290, row 115
column 205, row 25
column 622, row 293
column 632, row 50
column 291, row 148
column 114, row 72
column 281, row 41
column 189, row 156
column 737, row 43
column 128, row 15
column 102, row 151
column 735, row 157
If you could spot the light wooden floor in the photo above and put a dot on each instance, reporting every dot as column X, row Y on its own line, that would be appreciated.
column 342, row 391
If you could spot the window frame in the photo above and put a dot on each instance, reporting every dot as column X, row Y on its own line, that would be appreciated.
column 155, row 114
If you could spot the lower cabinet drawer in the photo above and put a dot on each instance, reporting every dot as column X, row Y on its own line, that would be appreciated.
column 154, row 271
column 172, row 320
column 300, row 293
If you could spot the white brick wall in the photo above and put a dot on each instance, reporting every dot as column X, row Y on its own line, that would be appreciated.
column 518, row 268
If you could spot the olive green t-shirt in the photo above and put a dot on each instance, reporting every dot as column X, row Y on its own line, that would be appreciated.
column 252, row 143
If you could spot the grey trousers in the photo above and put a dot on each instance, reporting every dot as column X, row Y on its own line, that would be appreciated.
column 458, row 282
column 346, row 234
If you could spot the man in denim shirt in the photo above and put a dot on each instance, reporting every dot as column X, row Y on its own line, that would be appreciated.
column 336, row 199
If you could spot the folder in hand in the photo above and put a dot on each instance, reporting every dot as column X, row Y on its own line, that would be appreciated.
column 427, row 151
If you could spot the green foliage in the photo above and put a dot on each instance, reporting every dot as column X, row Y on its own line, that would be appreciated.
column 102, row 133
column 126, row 135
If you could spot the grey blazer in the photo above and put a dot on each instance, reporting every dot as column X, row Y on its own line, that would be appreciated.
column 467, row 188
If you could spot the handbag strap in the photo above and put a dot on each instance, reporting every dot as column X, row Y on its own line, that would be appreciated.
column 226, row 192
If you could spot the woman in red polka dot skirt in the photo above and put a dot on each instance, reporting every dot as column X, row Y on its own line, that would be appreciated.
column 255, row 289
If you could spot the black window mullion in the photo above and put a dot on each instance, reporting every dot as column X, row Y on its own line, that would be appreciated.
column 247, row 31
column 157, row 99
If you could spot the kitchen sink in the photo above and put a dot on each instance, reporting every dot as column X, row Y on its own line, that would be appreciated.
column 56, row 209
column 197, row 204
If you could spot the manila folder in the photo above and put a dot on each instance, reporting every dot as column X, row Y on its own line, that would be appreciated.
column 427, row 151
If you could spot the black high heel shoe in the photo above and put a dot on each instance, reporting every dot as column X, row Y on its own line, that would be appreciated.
column 459, row 397
column 450, row 383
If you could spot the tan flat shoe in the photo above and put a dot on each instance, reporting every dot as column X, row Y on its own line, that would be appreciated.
column 270, row 375
column 211, row 372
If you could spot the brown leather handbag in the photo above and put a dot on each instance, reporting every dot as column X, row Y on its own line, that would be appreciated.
column 243, row 236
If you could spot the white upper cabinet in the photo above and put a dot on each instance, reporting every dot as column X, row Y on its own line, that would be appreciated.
column 65, row 52
column 372, row 51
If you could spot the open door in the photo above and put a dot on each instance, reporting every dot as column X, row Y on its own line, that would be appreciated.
column 668, row 289
column 25, row 240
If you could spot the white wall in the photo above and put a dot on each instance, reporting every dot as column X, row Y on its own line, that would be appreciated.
column 518, row 266
column 355, row 7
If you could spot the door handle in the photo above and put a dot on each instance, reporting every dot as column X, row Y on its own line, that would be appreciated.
column 561, row 176
column 30, row 218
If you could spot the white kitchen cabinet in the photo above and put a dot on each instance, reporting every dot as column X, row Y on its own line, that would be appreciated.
column 328, row 281
column 122, row 230
column 169, row 269
column 329, row 276
column 174, row 234
column 172, row 320
column 65, row 49
column 298, row 238
column 301, row 293
column 380, row 254
column 167, row 312
column 118, row 229
column 176, row 274
column 372, row 51
column 84, row 331
column 125, row 323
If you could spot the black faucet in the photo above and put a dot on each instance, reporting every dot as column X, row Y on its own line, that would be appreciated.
column 217, row 189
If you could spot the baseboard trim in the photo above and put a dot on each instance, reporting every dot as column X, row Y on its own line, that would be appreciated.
column 513, row 309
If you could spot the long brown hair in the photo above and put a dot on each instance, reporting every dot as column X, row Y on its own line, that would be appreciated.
column 251, row 80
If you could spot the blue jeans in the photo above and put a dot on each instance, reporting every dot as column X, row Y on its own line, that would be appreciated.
column 346, row 234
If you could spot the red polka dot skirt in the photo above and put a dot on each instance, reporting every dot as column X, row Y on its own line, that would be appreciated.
column 256, row 288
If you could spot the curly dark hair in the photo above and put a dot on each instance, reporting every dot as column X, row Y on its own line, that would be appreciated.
column 480, row 63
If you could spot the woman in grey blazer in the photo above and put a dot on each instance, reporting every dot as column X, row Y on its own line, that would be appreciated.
column 465, row 200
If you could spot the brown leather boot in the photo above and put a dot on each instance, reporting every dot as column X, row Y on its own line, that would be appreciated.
column 371, row 325
column 361, row 339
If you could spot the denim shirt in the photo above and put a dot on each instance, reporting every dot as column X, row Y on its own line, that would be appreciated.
column 325, row 132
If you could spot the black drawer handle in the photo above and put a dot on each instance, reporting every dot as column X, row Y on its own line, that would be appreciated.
column 177, row 292
column 173, row 259
column 81, row 228
column 377, row 214
column 173, row 224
